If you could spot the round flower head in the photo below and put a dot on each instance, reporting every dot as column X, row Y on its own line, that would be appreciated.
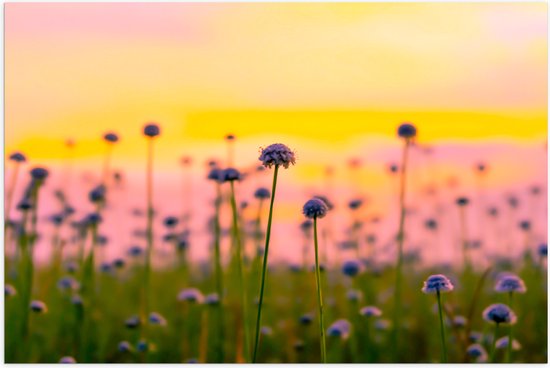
column 230, row 174
column 157, row 319
column 341, row 328
column 170, row 221
column 215, row 174
column 124, row 347
column 459, row 321
column 502, row 343
column 277, row 154
column 97, row 194
column 212, row 299
column 437, row 283
column 9, row 290
column 262, row 193
column 191, row 295
column 499, row 313
column 462, row 201
column 351, row 268
column 93, row 219
column 266, row 331
column 151, row 130
column 543, row 250
column 477, row 352
column 24, row 205
column 68, row 283
column 18, row 157
column 67, row 360
column 135, row 251
column 406, row 130
column 56, row 219
column 355, row 204
column 39, row 173
column 431, row 224
column 230, row 137
column 111, row 137
column 481, row 167
column 142, row 346
column 475, row 336
column 525, row 225
column 509, row 284
column 354, row 295
column 315, row 208
column 119, row 263
column 306, row 319
column 493, row 211
column 38, row 306
column 370, row 311
column 132, row 322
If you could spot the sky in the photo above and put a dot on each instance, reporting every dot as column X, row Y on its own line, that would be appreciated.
column 333, row 81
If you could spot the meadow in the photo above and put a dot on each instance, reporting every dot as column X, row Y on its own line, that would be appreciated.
column 236, row 306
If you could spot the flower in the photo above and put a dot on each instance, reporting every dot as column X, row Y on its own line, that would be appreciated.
column 462, row 201
column 93, row 219
column 477, row 352
column 67, row 360
column 351, row 268
column 18, row 157
column 437, row 283
column 124, row 347
column 475, row 336
column 111, row 137
column 266, row 331
column 543, row 250
column 525, row 225
column 135, row 251
column 97, row 194
column 230, row 137
column 354, row 295
column 277, row 154
column 502, row 343
column 142, row 346
column 118, row 263
column 315, row 208
column 370, row 311
column 38, row 306
column 76, row 300
column 9, row 290
column 57, row 219
column 355, row 204
column 262, row 193
column 341, row 328
column 306, row 319
column 510, row 283
column 215, row 174
column 481, row 167
column 406, row 130
column 39, row 173
column 459, row 321
column 212, row 299
column 431, row 224
column 230, row 174
column 151, row 130
column 499, row 313
column 132, row 322
column 382, row 324
column 170, row 221
column 191, row 295
column 68, row 283
column 157, row 319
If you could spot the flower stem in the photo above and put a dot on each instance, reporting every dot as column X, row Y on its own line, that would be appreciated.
column 238, row 254
column 400, row 239
column 510, row 345
column 264, row 267
column 493, row 349
column 149, row 232
column 218, row 268
column 443, row 345
column 319, row 294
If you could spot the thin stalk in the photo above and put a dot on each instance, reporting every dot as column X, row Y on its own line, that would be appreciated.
column 464, row 240
column 400, row 239
column 509, row 348
column 264, row 267
column 10, row 191
column 319, row 294
column 148, row 251
column 219, row 276
column 443, row 345
column 493, row 348
column 238, row 254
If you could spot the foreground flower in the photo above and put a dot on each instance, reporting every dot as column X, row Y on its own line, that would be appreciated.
column 499, row 314
column 438, row 284
column 477, row 352
column 370, row 311
column 38, row 306
column 191, row 295
column 510, row 284
column 275, row 155
column 341, row 328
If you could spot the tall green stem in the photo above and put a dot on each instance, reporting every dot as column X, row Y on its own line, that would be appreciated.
column 443, row 344
column 149, row 250
column 510, row 345
column 264, row 268
column 493, row 348
column 218, row 268
column 319, row 294
column 10, row 192
column 238, row 248
column 400, row 239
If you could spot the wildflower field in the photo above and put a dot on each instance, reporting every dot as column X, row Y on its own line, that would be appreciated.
column 235, row 233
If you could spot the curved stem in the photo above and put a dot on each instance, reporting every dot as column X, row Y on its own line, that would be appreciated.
column 264, row 268
column 319, row 294
column 443, row 345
